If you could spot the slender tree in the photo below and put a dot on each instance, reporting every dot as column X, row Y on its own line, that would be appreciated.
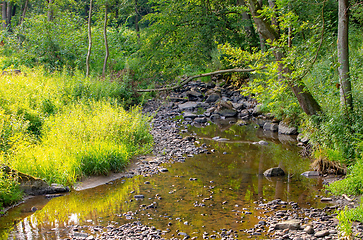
column 89, row 38
column 7, row 13
column 25, row 9
column 50, row 13
column 4, row 13
column 269, row 32
column 343, row 55
column 106, row 43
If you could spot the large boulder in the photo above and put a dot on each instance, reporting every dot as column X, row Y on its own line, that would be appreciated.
column 274, row 172
column 285, row 129
column 225, row 109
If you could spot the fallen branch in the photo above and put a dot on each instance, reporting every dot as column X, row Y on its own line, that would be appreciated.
column 197, row 76
column 347, row 198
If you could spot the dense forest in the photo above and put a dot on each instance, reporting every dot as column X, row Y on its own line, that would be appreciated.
column 305, row 60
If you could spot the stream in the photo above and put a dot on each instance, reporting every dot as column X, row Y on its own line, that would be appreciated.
column 206, row 193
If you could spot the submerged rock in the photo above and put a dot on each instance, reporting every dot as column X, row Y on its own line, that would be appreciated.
column 311, row 174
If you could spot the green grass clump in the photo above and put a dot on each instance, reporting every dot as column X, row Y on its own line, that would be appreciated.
column 345, row 225
column 352, row 184
column 89, row 138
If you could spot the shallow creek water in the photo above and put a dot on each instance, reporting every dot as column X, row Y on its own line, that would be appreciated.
column 207, row 193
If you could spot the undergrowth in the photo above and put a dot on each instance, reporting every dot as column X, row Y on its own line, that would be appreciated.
column 60, row 127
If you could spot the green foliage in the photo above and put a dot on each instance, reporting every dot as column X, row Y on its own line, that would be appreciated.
column 63, row 44
column 352, row 184
column 337, row 130
column 182, row 36
column 355, row 214
column 345, row 225
column 9, row 190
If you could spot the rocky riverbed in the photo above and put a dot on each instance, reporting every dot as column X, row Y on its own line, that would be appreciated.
column 198, row 103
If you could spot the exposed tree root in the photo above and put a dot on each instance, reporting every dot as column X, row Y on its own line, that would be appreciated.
column 323, row 165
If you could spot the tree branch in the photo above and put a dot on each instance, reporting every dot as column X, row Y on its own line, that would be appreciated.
column 188, row 79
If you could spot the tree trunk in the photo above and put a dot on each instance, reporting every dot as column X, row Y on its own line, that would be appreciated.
column 9, row 12
column 50, row 13
column 137, row 28
column 262, row 40
column 89, row 38
column 250, row 31
column 106, row 44
column 307, row 102
column 4, row 13
column 346, row 99
column 25, row 8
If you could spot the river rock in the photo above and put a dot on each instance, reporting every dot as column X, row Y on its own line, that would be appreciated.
column 311, row 174
column 210, row 85
column 257, row 110
column 200, row 120
column 321, row 234
column 212, row 98
column 177, row 99
column 244, row 114
column 189, row 115
column 163, row 170
column 139, row 196
column 326, row 199
column 227, row 112
column 238, row 106
column 263, row 142
column 268, row 126
column 293, row 224
column 215, row 117
column 309, row 229
column 80, row 235
column 274, row 172
column 285, row 129
column 188, row 106
column 193, row 95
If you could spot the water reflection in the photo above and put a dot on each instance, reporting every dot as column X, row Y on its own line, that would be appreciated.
column 206, row 193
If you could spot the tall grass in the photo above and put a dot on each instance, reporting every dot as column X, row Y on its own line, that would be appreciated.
column 9, row 190
column 60, row 127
